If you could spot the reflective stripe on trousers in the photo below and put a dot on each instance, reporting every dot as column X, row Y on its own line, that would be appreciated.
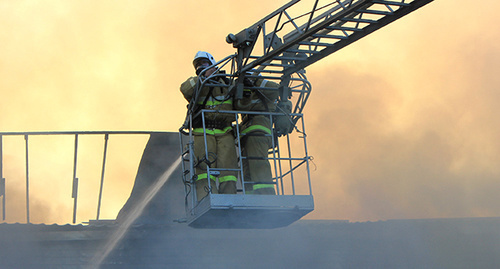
column 212, row 131
column 262, row 186
column 221, row 179
column 255, row 128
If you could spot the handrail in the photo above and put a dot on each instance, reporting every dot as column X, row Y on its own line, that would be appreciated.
column 79, row 132
column 74, row 193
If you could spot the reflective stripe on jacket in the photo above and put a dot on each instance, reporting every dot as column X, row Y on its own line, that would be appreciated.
column 215, row 98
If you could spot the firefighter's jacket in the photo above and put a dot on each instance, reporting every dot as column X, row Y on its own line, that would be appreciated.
column 214, row 98
column 258, row 100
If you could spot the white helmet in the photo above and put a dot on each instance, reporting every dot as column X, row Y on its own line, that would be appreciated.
column 203, row 55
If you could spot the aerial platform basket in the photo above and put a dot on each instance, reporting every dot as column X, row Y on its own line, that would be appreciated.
column 246, row 210
column 224, row 211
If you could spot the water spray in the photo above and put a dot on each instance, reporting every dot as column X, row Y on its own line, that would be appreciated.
column 132, row 216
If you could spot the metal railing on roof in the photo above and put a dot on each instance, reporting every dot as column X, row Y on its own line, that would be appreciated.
column 74, row 193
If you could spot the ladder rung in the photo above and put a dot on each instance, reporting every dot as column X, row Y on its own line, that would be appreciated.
column 359, row 20
column 391, row 3
column 376, row 12
column 308, row 43
column 343, row 28
column 287, row 58
column 330, row 36
column 303, row 51
column 278, row 65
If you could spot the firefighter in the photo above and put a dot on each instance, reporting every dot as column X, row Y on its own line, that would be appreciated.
column 220, row 137
column 256, row 132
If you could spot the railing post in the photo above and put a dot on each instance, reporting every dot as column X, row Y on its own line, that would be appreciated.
column 27, row 182
column 106, row 136
column 290, row 163
column 2, row 193
column 307, row 157
column 240, row 159
column 276, row 158
column 74, row 193
column 2, row 180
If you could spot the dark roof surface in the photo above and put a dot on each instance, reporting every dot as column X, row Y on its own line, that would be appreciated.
column 434, row 243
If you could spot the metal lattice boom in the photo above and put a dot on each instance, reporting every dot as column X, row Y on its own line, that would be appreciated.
column 319, row 34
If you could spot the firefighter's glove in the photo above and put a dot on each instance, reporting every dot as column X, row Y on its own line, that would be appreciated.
column 248, row 82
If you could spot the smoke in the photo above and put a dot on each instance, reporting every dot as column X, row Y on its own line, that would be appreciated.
column 437, row 165
column 401, row 123
column 91, row 59
column 409, row 133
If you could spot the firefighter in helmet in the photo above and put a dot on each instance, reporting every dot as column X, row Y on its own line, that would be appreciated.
column 219, row 133
column 256, row 132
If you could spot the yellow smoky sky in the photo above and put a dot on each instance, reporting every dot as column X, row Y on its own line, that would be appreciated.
column 401, row 124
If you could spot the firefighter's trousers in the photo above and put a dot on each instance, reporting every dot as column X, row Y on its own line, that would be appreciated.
column 255, row 147
column 221, row 154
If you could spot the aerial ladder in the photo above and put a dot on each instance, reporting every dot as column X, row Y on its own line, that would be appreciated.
column 278, row 48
